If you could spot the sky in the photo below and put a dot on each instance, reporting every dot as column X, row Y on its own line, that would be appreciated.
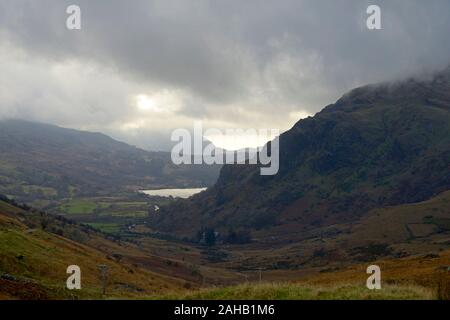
column 137, row 70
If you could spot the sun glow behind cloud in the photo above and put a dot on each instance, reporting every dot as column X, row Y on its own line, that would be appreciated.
column 144, row 103
column 164, row 101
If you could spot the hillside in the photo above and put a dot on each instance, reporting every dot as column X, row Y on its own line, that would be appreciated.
column 41, row 161
column 36, row 249
column 421, row 276
column 287, row 252
column 379, row 145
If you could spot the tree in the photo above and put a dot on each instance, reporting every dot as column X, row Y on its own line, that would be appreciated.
column 210, row 237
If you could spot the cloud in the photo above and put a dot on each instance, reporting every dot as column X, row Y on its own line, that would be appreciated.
column 138, row 69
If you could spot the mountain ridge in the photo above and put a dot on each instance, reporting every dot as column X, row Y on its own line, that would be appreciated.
column 42, row 161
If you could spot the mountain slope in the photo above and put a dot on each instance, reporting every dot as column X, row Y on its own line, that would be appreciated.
column 45, row 161
column 378, row 145
column 36, row 249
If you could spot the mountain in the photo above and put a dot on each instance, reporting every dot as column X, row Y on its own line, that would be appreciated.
column 379, row 145
column 45, row 161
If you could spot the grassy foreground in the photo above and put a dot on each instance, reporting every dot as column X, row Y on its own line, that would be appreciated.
column 286, row 291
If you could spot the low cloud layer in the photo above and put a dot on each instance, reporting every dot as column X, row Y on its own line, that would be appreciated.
column 136, row 70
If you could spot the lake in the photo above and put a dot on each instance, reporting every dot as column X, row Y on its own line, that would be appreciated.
column 176, row 193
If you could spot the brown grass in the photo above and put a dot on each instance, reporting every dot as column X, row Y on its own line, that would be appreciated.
column 443, row 286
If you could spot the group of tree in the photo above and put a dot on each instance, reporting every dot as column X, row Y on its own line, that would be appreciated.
column 209, row 236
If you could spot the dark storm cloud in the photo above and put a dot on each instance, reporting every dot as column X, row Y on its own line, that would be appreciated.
column 253, row 62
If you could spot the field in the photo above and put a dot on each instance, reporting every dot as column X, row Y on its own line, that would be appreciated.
column 79, row 207
column 286, row 291
column 113, row 215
